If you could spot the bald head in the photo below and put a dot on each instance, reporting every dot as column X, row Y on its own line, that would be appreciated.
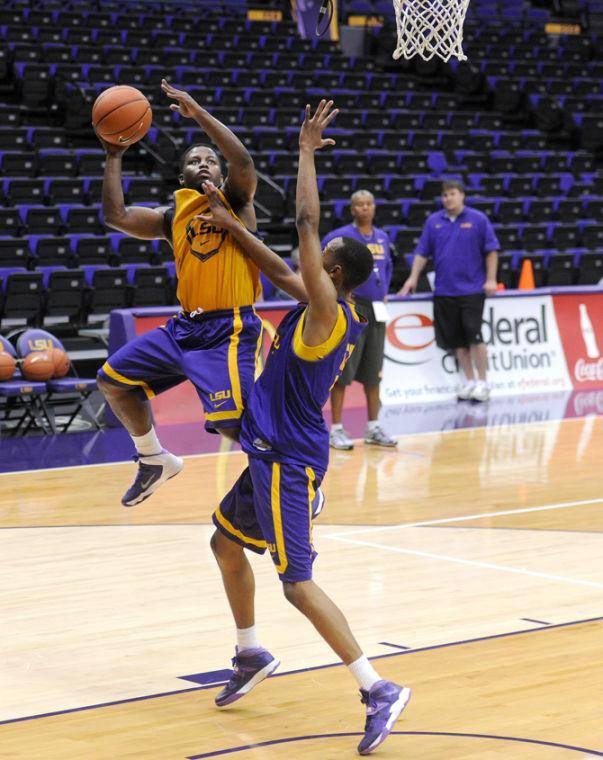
column 362, row 206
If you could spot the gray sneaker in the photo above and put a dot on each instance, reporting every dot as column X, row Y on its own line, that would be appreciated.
column 339, row 439
column 378, row 437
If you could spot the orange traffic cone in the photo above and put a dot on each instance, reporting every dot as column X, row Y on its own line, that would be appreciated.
column 526, row 278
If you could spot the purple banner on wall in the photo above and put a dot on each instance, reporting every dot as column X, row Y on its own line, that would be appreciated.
column 306, row 15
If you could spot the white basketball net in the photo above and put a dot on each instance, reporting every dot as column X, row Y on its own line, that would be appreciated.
column 430, row 27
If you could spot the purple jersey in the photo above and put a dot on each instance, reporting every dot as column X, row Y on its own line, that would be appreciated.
column 283, row 421
column 379, row 244
column 458, row 249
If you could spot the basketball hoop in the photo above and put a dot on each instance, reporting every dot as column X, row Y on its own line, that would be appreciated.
column 429, row 28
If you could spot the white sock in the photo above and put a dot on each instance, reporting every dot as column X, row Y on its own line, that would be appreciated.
column 336, row 426
column 147, row 444
column 364, row 672
column 247, row 638
column 372, row 425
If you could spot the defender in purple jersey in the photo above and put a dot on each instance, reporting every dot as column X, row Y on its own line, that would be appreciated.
column 287, row 442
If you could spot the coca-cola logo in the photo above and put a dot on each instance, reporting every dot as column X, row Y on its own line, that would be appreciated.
column 408, row 338
column 588, row 372
column 587, row 402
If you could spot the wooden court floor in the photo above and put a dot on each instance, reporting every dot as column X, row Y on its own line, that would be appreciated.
column 468, row 563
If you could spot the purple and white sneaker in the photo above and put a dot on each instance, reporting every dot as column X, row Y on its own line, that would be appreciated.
column 250, row 668
column 318, row 503
column 384, row 703
column 152, row 472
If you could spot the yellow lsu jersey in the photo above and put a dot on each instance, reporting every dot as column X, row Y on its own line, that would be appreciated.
column 213, row 271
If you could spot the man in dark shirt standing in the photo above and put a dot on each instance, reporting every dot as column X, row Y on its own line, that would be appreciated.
column 464, row 249
column 366, row 363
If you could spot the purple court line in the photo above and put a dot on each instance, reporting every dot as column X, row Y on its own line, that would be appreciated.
column 270, row 742
column 299, row 670
column 395, row 646
column 532, row 620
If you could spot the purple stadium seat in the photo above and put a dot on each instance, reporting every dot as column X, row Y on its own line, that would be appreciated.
column 25, row 397
column 71, row 386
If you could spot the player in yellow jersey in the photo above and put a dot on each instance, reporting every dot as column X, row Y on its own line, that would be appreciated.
column 213, row 342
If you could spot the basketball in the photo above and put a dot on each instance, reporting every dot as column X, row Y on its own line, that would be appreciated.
column 121, row 115
column 60, row 361
column 7, row 365
column 38, row 365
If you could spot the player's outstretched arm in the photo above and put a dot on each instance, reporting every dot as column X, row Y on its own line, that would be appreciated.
column 322, row 296
column 241, row 182
column 272, row 265
column 137, row 221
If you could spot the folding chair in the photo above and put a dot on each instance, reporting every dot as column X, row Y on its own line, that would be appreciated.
column 25, row 397
column 60, row 391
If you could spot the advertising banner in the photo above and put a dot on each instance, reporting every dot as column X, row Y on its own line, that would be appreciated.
column 580, row 320
column 525, row 353
column 544, row 344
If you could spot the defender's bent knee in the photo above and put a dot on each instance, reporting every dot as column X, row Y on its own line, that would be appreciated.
column 224, row 549
column 296, row 594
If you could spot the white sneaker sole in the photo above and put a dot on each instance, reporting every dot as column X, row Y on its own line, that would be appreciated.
column 260, row 676
column 177, row 463
column 394, row 713
column 320, row 505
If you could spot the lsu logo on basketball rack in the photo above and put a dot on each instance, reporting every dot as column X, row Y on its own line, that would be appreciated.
column 40, row 344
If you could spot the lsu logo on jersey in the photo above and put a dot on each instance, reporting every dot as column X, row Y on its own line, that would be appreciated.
column 40, row 344
column 276, row 343
column 203, row 238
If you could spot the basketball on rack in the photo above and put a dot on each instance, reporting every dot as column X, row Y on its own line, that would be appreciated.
column 60, row 361
column 38, row 365
column 8, row 365
column 121, row 115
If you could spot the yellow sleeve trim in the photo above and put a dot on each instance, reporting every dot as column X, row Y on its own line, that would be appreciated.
column 316, row 353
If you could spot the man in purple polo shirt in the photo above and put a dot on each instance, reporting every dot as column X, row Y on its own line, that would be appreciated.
column 464, row 249
column 366, row 362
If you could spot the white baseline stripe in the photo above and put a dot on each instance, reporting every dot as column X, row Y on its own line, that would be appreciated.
column 359, row 440
column 130, row 460
column 472, row 563
column 464, row 518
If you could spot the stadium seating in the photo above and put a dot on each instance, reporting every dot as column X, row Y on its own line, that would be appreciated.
column 520, row 125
